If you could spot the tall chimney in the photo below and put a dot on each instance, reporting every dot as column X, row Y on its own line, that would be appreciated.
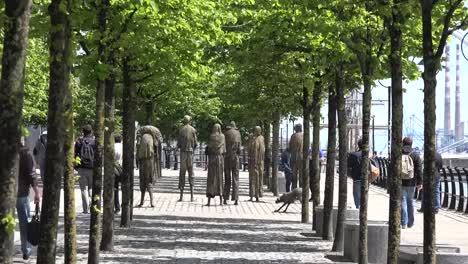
column 458, row 132
column 447, row 121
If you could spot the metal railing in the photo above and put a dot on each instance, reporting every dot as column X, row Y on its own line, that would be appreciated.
column 453, row 185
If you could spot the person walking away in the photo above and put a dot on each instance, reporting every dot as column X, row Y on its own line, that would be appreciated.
column 118, row 171
column 187, row 143
column 39, row 153
column 295, row 148
column 256, row 164
column 215, row 150
column 231, row 163
column 84, row 150
column 286, row 167
column 26, row 179
column 438, row 165
column 411, row 178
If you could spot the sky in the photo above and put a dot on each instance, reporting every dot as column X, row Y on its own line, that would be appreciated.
column 413, row 105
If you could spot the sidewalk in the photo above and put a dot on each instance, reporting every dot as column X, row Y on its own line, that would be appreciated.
column 188, row 232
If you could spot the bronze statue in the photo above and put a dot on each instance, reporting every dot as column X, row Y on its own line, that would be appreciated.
column 256, row 164
column 295, row 148
column 149, row 139
column 187, row 143
column 215, row 150
column 231, row 161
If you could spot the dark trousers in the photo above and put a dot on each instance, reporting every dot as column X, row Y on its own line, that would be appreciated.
column 288, row 176
column 116, row 194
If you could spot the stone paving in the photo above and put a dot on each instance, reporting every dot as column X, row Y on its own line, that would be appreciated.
column 188, row 232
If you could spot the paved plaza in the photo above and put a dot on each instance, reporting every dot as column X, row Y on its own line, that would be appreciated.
column 188, row 232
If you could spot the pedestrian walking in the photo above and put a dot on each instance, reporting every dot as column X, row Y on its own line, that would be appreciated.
column 118, row 171
column 411, row 178
column 26, row 180
column 39, row 153
column 85, row 147
column 286, row 167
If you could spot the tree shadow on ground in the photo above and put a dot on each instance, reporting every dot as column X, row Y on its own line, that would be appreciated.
column 183, row 239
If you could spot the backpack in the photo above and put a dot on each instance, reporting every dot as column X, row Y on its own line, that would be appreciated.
column 407, row 167
column 87, row 153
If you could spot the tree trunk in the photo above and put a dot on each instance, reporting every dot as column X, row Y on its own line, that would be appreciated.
column 69, row 196
column 366, row 111
column 306, row 108
column 394, row 182
column 315, row 170
column 15, row 41
column 430, row 83
column 275, row 153
column 343, row 161
column 149, row 110
column 267, row 136
column 107, row 243
column 59, row 128
column 95, row 223
column 128, row 120
column 331, row 156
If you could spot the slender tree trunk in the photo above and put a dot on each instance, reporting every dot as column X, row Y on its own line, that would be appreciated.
column 366, row 111
column 129, row 117
column 69, row 196
column 306, row 108
column 430, row 83
column 331, row 156
column 394, row 182
column 15, row 39
column 267, row 174
column 59, row 119
column 95, row 223
column 275, row 153
column 343, row 161
column 315, row 170
column 107, row 243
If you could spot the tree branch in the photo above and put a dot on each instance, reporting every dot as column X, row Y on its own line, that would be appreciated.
column 446, row 32
column 144, row 78
column 293, row 48
column 122, row 30
column 82, row 43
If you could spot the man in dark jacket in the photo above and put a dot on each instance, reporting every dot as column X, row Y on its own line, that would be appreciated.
column 26, row 179
column 354, row 170
column 409, row 184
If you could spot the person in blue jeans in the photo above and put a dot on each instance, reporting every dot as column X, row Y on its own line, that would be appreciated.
column 354, row 170
column 408, row 186
column 286, row 167
column 26, row 179
column 438, row 165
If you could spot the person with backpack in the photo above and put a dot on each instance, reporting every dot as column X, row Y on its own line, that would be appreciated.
column 411, row 178
column 26, row 180
column 84, row 150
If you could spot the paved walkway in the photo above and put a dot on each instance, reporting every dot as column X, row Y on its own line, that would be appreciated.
column 188, row 232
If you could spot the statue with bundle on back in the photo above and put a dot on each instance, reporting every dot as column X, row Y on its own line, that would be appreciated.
column 149, row 140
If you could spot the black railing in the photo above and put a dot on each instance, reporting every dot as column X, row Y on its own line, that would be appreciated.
column 453, row 185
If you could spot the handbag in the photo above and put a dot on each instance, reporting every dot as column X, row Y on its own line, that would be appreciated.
column 33, row 227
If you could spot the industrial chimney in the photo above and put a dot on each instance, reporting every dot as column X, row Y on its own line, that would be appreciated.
column 447, row 121
column 458, row 128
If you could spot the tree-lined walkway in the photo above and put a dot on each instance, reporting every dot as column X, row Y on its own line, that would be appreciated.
column 188, row 232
